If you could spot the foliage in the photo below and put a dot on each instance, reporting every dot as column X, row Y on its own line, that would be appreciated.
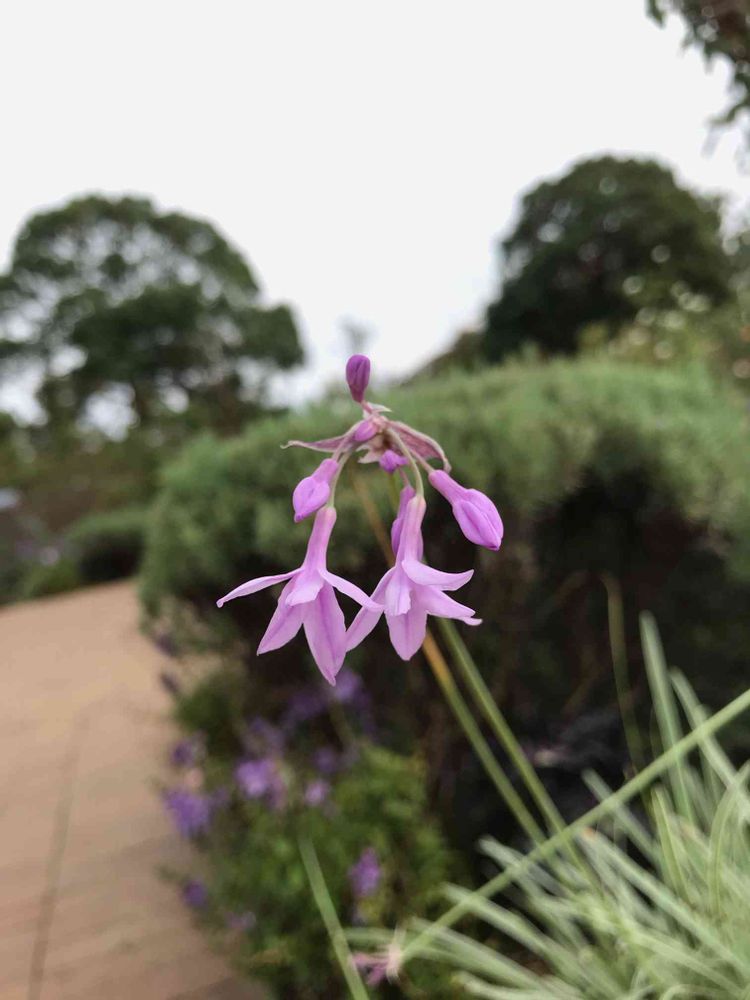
column 720, row 30
column 47, row 579
column 598, row 469
column 652, row 903
column 251, row 861
column 108, row 545
column 599, row 244
column 110, row 301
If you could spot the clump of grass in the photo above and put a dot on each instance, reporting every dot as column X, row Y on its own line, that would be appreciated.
column 654, row 899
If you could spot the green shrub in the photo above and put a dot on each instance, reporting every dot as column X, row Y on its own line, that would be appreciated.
column 250, row 859
column 107, row 546
column 597, row 467
column 41, row 580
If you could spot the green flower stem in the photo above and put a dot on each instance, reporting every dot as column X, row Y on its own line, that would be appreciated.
column 330, row 919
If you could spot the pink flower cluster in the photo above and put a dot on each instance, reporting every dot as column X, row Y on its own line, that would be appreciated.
column 411, row 590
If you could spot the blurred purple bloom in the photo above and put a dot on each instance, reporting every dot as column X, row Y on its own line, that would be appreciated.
column 358, row 376
column 260, row 779
column 242, row 922
column 327, row 761
column 187, row 752
column 348, row 686
column 314, row 490
column 477, row 516
column 191, row 812
column 308, row 599
column 304, row 705
column 195, row 894
column 365, row 874
column 389, row 461
column 317, row 792
column 264, row 736
column 410, row 591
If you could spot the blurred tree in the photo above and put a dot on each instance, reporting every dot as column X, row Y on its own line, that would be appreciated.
column 607, row 239
column 719, row 28
column 112, row 302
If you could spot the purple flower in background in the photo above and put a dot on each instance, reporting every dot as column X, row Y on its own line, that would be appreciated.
column 326, row 760
column 348, row 686
column 476, row 514
column 308, row 600
column 195, row 894
column 312, row 492
column 365, row 874
column 303, row 706
column 410, row 591
column 263, row 735
column 187, row 752
column 262, row 779
column 358, row 376
column 317, row 792
column 241, row 922
column 191, row 812
column 389, row 461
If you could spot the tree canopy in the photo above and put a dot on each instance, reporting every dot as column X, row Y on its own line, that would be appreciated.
column 721, row 30
column 605, row 240
column 109, row 299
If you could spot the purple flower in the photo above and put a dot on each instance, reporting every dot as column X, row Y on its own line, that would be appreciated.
column 410, row 591
column 255, row 777
column 358, row 376
column 313, row 491
column 385, row 964
column 304, row 705
column 241, row 922
column 407, row 493
column 326, row 760
column 195, row 894
column 365, row 874
column 390, row 461
column 308, row 600
column 348, row 686
column 264, row 735
column 364, row 431
column 476, row 514
column 191, row 812
column 317, row 792
column 187, row 752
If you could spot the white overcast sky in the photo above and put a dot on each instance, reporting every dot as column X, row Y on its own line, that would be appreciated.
column 365, row 156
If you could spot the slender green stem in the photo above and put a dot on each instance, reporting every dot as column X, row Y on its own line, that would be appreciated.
column 481, row 747
column 635, row 786
column 620, row 667
column 330, row 919
column 418, row 482
column 486, row 703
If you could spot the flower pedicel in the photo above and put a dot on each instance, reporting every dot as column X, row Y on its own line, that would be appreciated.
column 408, row 592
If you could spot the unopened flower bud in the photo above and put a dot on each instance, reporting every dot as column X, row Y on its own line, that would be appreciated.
column 477, row 516
column 364, row 431
column 391, row 460
column 358, row 376
column 313, row 491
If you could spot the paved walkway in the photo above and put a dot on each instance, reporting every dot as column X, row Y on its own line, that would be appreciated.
column 84, row 914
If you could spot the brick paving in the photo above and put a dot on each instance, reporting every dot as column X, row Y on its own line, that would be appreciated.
column 84, row 913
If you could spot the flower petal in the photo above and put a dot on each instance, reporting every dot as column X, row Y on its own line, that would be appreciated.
column 435, row 602
column 365, row 621
column 427, row 576
column 351, row 590
column 326, row 632
column 284, row 625
column 252, row 586
column 397, row 597
column 407, row 631
column 327, row 444
column 305, row 588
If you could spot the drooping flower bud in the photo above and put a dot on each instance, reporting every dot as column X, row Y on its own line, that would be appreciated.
column 358, row 376
column 364, row 430
column 313, row 491
column 477, row 516
column 389, row 461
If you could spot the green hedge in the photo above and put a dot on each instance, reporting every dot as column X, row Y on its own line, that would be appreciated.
column 107, row 545
column 597, row 467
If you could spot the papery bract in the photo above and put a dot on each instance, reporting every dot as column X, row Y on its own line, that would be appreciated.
column 308, row 600
column 476, row 514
